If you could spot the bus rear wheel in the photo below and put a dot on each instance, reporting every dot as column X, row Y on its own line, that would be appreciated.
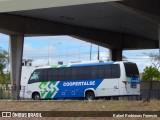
column 90, row 95
column 36, row 96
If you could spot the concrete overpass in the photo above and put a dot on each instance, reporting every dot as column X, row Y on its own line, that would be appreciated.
column 117, row 25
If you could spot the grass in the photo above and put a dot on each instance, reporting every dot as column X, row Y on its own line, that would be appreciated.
column 98, row 105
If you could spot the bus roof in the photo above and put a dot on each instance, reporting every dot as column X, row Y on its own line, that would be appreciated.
column 79, row 64
column 91, row 64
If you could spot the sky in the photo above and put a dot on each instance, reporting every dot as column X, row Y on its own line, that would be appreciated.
column 51, row 49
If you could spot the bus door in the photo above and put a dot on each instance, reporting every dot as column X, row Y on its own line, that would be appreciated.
column 132, row 78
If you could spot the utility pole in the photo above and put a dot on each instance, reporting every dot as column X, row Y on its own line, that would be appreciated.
column 91, row 51
column 98, row 53
column 48, row 53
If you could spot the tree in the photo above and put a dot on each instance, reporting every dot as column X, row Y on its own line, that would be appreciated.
column 124, row 58
column 3, row 62
column 154, row 59
column 150, row 74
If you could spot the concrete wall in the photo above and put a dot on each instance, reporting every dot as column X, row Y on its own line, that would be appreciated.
column 149, row 90
column 150, row 85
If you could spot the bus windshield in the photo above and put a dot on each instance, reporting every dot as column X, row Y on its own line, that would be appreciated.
column 131, row 69
column 35, row 77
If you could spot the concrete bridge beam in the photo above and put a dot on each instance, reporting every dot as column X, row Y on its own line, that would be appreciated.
column 16, row 54
column 115, row 54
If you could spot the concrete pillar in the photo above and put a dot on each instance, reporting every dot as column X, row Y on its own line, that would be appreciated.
column 115, row 54
column 16, row 53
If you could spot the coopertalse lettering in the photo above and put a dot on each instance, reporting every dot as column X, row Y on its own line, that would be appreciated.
column 86, row 83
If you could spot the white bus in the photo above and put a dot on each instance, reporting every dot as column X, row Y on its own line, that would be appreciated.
column 85, row 80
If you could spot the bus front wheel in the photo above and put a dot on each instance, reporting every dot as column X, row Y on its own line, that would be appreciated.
column 36, row 96
column 90, row 95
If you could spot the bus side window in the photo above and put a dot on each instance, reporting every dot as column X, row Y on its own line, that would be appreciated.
column 115, row 71
column 53, row 74
column 45, row 75
column 80, row 73
column 108, row 73
column 94, row 72
column 36, row 76
column 74, row 73
column 87, row 72
column 68, row 74
column 62, row 72
column 100, row 72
